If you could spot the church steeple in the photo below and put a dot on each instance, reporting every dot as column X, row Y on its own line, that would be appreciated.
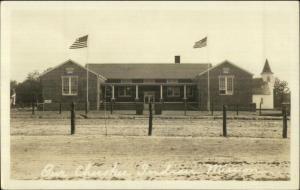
column 266, row 68
column 267, row 74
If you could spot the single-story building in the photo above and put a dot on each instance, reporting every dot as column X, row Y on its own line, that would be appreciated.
column 124, row 85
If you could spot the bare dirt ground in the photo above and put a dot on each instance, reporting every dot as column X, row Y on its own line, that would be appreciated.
column 181, row 148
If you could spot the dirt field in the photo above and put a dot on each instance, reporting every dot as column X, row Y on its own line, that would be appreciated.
column 186, row 148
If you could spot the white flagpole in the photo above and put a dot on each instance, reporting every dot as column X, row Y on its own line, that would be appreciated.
column 87, row 77
column 208, row 78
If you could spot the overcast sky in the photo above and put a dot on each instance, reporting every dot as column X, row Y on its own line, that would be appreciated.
column 245, row 33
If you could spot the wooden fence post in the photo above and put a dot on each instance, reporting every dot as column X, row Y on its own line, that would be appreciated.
column 150, row 119
column 111, row 106
column 284, row 118
column 237, row 109
column 32, row 105
column 185, row 106
column 86, row 107
column 260, row 109
column 72, row 118
column 212, row 108
column 224, row 121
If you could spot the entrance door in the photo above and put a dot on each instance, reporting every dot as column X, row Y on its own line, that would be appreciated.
column 149, row 97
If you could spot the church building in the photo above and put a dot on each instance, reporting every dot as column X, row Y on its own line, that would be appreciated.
column 263, row 88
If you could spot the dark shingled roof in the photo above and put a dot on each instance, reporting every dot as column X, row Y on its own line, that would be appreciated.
column 266, row 68
column 260, row 87
column 149, row 71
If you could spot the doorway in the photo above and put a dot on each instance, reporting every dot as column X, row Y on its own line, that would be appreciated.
column 149, row 96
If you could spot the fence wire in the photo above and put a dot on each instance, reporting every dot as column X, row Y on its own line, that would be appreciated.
column 126, row 123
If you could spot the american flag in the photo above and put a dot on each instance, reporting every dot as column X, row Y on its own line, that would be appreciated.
column 201, row 43
column 80, row 43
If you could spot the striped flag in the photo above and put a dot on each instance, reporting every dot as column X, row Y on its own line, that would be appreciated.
column 80, row 43
column 201, row 43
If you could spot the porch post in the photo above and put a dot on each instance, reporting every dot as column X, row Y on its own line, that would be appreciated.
column 161, row 92
column 136, row 92
column 184, row 91
column 113, row 92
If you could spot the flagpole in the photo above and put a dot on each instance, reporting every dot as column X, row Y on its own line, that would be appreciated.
column 87, row 78
column 208, row 78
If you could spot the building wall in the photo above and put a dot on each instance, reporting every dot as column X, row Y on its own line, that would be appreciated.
column 52, row 87
column 268, row 102
column 242, row 92
column 52, row 90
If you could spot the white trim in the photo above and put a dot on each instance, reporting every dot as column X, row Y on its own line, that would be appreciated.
column 161, row 91
column 98, row 93
column 112, row 92
column 222, row 64
column 226, row 83
column 70, row 85
column 184, row 92
column 136, row 92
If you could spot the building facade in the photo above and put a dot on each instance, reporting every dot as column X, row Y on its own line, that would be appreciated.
column 263, row 88
column 176, row 85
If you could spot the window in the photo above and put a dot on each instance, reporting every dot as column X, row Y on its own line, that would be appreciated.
column 268, row 79
column 189, row 91
column 173, row 91
column 185, row 81
column 172, row 81
column 149, row 81
column 69, row 85
column 126, row 81
column 225, row 70
column 108, row 91
column 160, row 80
column 137, row 80
column 69, row 70
column 125, row 91
column 226, row 85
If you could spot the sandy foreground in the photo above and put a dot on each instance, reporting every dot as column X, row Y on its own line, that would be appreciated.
column 185, row 149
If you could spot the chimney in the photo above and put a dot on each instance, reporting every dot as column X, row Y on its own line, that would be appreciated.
column 177, row 59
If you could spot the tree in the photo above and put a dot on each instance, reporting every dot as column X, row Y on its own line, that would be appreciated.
column 281, row 90
column 13, row 85
column 29, row 90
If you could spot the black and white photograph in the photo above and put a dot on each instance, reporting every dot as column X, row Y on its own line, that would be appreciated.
column 147, row 95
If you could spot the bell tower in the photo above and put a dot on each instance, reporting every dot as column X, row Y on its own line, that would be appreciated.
column 267, row 74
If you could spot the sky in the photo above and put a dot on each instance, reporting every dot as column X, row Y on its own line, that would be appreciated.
column 244, row 33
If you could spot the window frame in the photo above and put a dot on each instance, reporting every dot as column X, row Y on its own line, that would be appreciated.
column 172, row 81
column 124, row 90
column 69, row 78
column 173, row 91
column 191, row 90
column 225, row 89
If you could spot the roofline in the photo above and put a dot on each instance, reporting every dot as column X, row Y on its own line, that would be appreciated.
column 221, row 64
column 148, row 63
column 104, row 78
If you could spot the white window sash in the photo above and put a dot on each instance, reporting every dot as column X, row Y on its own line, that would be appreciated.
column 225, row 87
column 69, row 87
